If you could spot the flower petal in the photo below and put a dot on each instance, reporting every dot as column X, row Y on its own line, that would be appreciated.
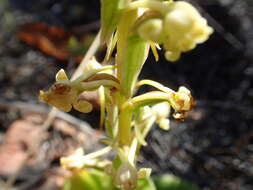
column 82, row 106
column 164, row 124
column 61, row 75
column 59, row 101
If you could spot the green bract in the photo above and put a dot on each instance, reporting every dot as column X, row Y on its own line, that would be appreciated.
column 135, row 55
column 110, row 16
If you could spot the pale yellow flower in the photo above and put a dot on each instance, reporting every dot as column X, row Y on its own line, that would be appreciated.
column 144, row 173
column 179, row 27
column 63, row 96
column 184, row 28
column 181, row 100
column 151, row 30
column 73, row 161
column 162, row 111
column 79, row 160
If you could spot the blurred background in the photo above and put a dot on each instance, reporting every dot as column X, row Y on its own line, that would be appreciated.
column 212, row 148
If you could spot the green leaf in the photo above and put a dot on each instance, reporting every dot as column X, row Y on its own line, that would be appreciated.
column 97, row 180
column 145, row 184
column 134, row 58
column 170, row 182
column 89, row 180
column 110, row 16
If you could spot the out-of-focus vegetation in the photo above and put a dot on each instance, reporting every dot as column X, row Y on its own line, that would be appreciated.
column 97, row 180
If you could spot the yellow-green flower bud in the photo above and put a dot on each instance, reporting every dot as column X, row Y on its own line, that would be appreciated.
column 164, row 124
column 78, row 161
column 144, row 173
column 126, row 177
column 91, row 65
column 172, row 55
column 182, row 100
column 151, row 30
column 73, row 161
column 184, row 28
column 162, row 112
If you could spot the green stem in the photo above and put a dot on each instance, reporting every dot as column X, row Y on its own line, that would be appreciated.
column 125, row 116
column 154, row 84
column 149, row 99
column 127, row 20
column 125, row 119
